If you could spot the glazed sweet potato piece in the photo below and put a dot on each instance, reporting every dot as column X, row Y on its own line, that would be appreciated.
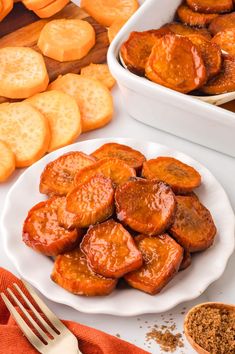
column 226, row 41
column 131, row 157
column 224, row 81
column 193, row 227
column 147, row 206
column 115, row 169
column 111, row 250
column 192, row 18
column 181, row 177
column 92, row 201
column 58, row 175
column 136, row 50
column 42, row 232
column 211, row 54
column 176, row 63
column 72, row 273
column 65, row 218
column 162, row 257
column 186, row 261
column 222, row 22
column 210, row 6
column 184, row 30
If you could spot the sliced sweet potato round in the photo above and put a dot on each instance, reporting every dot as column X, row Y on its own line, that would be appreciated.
column 7, row 161
column 115, row 169
column 186, row 261
column 211, row 6
column 162, row 257
column 131, row 157
column 111, row 250
column 181, row 177
column 226, row 41
column 58, row 176
column 42, row 232
column 72, row 273
column 115, row 28
column 211, row 54
column 224, row 81
column 99, row 72
column 92, row 201
column 184, row 30
column 220, row 23
column 193, row 227
column 51, row 9
column 192, row 18
column 176, row 63
column 67, row 219
column 136, row 50
column 147, row 206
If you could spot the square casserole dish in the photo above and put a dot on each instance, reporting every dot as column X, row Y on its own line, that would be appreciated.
column 163, row 108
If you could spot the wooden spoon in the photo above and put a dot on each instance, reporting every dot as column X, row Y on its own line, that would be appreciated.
column 218, row 305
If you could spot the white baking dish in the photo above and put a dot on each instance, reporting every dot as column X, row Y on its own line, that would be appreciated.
column 163, row 108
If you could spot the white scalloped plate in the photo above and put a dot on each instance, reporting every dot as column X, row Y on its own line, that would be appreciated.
column 189, row 284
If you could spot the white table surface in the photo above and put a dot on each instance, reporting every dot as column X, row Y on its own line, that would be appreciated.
column 133, row 329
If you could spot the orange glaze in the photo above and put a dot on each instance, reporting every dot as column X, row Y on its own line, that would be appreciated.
column 222, row 22
column 226, row 40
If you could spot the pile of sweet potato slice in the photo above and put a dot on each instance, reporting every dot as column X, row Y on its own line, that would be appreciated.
column 196, row 53
column 113, row 214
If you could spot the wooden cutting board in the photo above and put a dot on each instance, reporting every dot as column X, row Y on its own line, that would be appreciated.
column 22, row 28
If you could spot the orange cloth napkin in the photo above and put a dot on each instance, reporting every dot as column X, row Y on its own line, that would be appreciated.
column 91, row 341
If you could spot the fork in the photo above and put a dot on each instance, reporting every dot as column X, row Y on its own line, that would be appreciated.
column 48, row 340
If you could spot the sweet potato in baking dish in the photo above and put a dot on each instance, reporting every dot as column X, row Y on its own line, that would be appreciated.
column 111, row 250
column 185, row 30
column 210, row 6
column 162, row 257
column 221, row 23
column 72, row 273
column 192, row 18
column 226, row 41
column 147, row 206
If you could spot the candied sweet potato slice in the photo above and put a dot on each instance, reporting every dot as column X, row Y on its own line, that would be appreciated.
column 211, row 54
column 226, row 41
column 136, row 50
column 92, row 201
column 184, row 30
column 147, row 206
column 176, row 63
column 72, row 273
column 181, row 177
column 193, row 227
column 186, row 261
column 42, row 232
column 111, row 250
column 58, row 176
column 220, row 23
column 162, row 257
column 131, row 157
column 192, row 18
column 224, row 81
column 65, row 218
column 115, row 169
column 211, row 6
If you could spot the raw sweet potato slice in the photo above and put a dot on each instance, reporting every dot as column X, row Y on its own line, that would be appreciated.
column 22, row 72
column 66, row 39
column 136, row 50
column 162, row 257
column 99, row 72
column 7, row 161
column 36, row 4
column 107, row 11
column 51, row 9
column 115, row 169
column 131, row 157
column 226, row 41
column 25, row 130
column 211, row 54
column 92, row 201
column 58, row 176
column 72, row 273
column 93, row 98
column 192, row 18
column 224, row 81
column 211, row 6
column 186, row 261
column 115, row 28
column 42, row 232
column 147, row 206
column 181, row 177
column 193, row 227
column 184, row 30
column 7, row 6
column 222, row 22
column 176, row 63
column 111, row 250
